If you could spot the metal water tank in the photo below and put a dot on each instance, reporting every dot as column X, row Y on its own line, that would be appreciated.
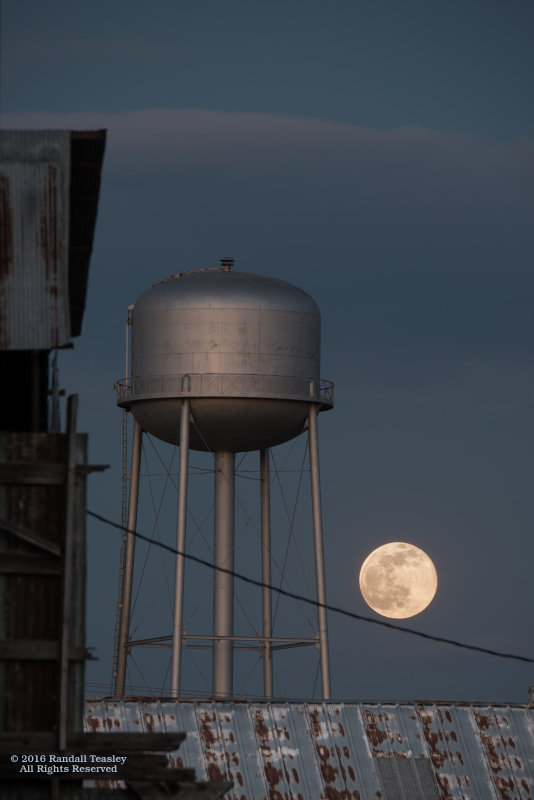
column 244, row 348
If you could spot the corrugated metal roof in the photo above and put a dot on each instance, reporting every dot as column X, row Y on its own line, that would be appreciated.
column 335, row 751
column 49, row 186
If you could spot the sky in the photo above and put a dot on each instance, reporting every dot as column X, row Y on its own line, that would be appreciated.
column 379, row 155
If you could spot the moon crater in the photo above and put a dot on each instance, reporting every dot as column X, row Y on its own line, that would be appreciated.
column 398, row 580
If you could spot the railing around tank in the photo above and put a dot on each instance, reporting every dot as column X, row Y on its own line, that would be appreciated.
column 224, row 385
column 326, row 390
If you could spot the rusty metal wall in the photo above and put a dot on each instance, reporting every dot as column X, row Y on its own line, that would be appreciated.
column 335, row 751
column 34, row 239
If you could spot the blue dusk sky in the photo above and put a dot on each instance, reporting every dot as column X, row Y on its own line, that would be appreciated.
column 380, row 155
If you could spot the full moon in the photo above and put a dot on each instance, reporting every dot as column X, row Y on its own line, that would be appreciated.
column 398, row 580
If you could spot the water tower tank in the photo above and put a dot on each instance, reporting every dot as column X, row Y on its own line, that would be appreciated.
column 244, row 348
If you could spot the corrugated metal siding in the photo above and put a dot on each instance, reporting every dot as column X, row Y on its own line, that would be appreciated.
column 34, row 239
column 307, row 751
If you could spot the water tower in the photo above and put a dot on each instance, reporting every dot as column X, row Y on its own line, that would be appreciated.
column 226, row 362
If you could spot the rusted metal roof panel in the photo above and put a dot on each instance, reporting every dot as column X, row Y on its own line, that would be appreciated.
column 34, row 239
column 338, row 751
column 340, row 741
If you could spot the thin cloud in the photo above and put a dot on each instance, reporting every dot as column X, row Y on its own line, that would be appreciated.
column 188, row 137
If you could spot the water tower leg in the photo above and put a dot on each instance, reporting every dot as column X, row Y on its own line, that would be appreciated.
column 318, row 542
column 223, row 583
column 180, row 545
column 124, row 626
column 266, row 572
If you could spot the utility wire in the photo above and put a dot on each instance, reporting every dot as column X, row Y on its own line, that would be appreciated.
column 326, row 606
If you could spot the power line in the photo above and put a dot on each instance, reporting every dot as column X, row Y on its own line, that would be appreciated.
column 326, row 606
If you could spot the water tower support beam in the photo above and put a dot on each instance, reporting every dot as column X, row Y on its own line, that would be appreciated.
column 318, row 543
column 223, row 583
column 124, row 626
column 266, row 572
column 180, row 546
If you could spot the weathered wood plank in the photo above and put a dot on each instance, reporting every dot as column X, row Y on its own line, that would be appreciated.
column 28, row 564
column 30, row 536
column 186, row 791
column 29, row 472
column 30, row 742
column 125, row 742
column 86, row 469
column 41, row 474
column 37, row 650
column 147, row 791
column 66, row 588
column 134, row 772
column 112, row 743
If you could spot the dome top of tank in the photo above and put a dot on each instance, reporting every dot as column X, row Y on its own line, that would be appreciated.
column 244, row 348
column 223, row 287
